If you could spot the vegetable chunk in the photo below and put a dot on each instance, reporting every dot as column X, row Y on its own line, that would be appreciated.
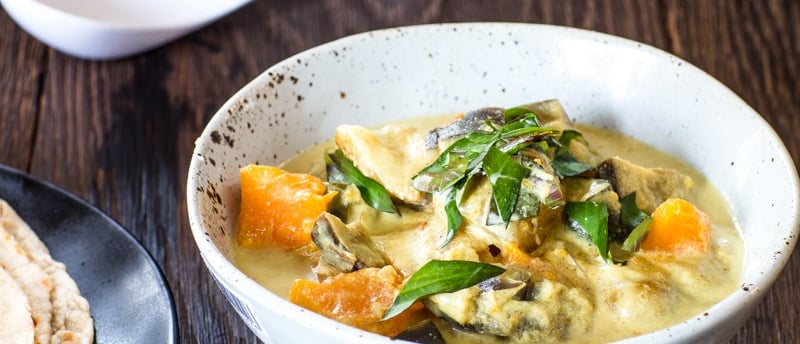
column 653, row 186
column 678, row 227
column 279, row 208
column 358, row 299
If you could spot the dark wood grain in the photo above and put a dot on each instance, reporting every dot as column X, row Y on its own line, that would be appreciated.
column 120, row 133
column 21, row 73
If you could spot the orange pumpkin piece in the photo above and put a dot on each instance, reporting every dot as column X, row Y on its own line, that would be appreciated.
column 359, row 299
column 678, row 227
column 278, row 208
column 512, row 255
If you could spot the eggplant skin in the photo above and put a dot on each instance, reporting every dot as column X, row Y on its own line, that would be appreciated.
column 471, row 122
column 345, row 247
column 424, row 332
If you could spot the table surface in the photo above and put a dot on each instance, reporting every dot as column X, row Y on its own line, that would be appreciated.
column 120, row 134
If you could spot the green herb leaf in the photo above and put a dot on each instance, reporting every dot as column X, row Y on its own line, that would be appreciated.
column 453, row 215
column 564, row 162
column 514, row 113
column 440, row 276
column 569, row 135
column 566, row 165
column 509, row 131
column 342, row 170
column 505, row 175
column 454, row 163
column 637, row 235
column 536, row 189
column 590, row 218
column 630, row 214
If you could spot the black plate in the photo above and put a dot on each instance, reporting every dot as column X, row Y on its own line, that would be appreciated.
column 127, row 292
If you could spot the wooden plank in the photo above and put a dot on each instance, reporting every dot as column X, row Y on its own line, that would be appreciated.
column 22, row 68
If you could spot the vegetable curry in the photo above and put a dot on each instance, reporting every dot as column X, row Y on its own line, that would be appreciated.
column 497, row 225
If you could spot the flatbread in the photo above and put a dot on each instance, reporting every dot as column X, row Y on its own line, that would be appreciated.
column 70, row 321
column 17, row 324
column 32, row 280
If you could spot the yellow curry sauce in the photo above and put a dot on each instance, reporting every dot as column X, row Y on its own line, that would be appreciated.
column 589, row 299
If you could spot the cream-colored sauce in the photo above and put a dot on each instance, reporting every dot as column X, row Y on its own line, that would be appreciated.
column 652, row 291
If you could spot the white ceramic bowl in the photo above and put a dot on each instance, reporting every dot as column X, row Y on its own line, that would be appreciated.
column 109, row 29
column 387, row 75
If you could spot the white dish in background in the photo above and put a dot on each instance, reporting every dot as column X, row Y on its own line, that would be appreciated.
column 109, row 29
column 395, row 74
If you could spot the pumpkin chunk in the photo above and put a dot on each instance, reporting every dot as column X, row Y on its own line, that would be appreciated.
column 358, row 299
column 278, row 208
column 678, row 227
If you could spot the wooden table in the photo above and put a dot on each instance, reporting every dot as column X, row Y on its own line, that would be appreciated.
column 119, row 134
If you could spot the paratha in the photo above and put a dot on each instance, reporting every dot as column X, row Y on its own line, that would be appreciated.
column 17, row 324
column 65, row 316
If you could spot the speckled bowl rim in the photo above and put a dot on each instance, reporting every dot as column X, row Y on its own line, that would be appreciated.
column 692, row 329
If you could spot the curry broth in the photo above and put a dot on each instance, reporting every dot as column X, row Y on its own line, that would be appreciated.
column 623, row 302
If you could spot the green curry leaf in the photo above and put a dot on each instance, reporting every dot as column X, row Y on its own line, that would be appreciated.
column 566, row 165
column 564, row 162
column 454, row 217
column 342, row 170
column 514, row 113
column 590, row 218
column 505, row 175
column 440, row 276
column 569, row 135
column 637, row 235
column 454, row 163
column 630, row 214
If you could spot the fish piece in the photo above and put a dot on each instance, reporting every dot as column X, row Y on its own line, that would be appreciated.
column 392, row 156
column 653, row 186
column 550, row 113
column 515, row 304
column 528, row 232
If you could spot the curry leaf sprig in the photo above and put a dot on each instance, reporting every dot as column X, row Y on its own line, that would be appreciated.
column 496, row 154
column 440, row 276
column 340, row 169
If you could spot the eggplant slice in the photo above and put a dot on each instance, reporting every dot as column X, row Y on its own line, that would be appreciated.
column 473, row 121
column 345, row 247
column 653, row 186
